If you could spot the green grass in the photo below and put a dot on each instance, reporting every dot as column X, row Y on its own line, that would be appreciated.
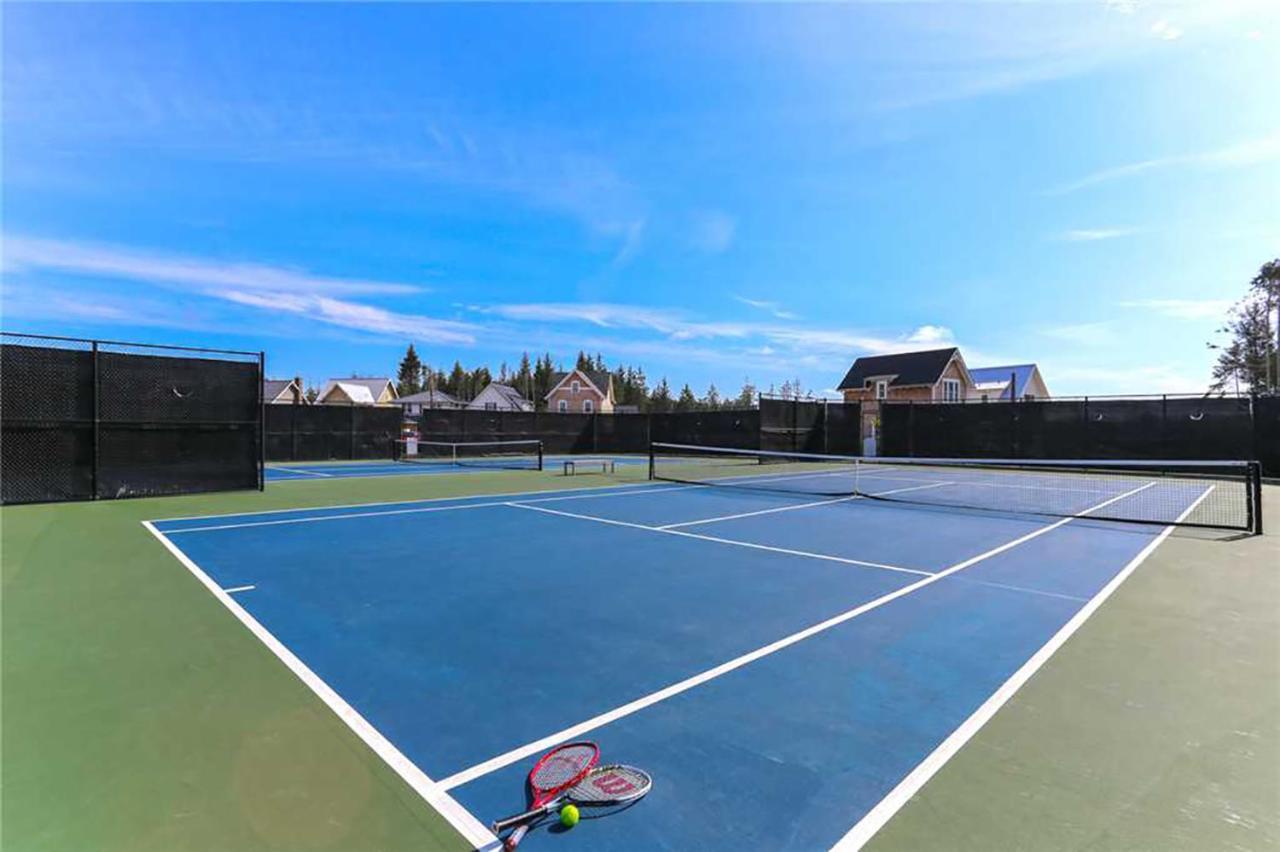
column 138, row 714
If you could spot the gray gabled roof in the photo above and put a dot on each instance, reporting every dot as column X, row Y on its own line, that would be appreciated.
column 508, row 393
column 435, row 397
column 375, row 385
column 1020, row 372
column 272, row 388
column 905, row 368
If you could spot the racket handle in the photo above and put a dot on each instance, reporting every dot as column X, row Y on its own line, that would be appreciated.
column 513, row 839
column 503, row 824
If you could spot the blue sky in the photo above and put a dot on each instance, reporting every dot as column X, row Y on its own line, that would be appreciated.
column 714, row 192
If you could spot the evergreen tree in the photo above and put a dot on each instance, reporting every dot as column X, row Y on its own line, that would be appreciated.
column 504, row 376
column 686, row 401
column 456, row 384
column 660, row 400
column 479, row 379
column 584, row 362
column 524, row 377
column 746, row 396
column 712, row 399
column 408, row 379
column 1251, row 360
column 542, row 374
column 313, row 393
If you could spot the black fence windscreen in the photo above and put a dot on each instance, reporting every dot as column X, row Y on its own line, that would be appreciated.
column 809, row 426
column 591, row 433
column 331, row 432
column 83, row 420
column 1172, row 428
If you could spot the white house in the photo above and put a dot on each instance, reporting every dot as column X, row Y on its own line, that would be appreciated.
column 416, row 403
column 282, row 392
column 358, row 390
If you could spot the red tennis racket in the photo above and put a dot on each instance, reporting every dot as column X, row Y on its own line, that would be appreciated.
column 557, row 771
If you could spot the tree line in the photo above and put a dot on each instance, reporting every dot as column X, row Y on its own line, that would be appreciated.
column 534, row 380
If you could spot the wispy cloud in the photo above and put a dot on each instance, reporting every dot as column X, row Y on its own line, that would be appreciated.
column 1083, row 334
column 274, row 290
column 1166, row 31
column 169, row 270
column 1089, row 235
column 772, row 308
column 1186, row 309
column 712, row 231
column 1244, row 153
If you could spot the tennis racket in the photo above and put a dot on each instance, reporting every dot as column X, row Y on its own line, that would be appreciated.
column 557, row 771
column 603, row 786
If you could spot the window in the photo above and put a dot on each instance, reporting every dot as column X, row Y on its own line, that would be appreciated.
column 588, row 406
column 951, row 390
column 577, row 386
column 1028, row 397
column 491, row 406
column 563, row 406
column 882, row 389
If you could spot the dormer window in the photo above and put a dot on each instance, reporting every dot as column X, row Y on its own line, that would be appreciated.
column 951, row 390
column 882, row 389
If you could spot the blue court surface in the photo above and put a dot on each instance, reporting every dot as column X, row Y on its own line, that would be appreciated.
column 300, row 472
column 788, row 669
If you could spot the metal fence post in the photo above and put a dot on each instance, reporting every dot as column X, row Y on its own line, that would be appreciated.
column 262, row 420
column 97, row 419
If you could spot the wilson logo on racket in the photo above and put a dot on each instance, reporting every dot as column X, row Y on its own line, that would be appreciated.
column 612, row 784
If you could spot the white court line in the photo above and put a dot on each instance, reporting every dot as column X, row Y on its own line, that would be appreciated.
column 876, row 818
column 524, row 751
column 297, row 470
column 415, row 509
column 797, row 506
column 459, row 817
column 598, row 490
column 718, row 540
column 234, row 589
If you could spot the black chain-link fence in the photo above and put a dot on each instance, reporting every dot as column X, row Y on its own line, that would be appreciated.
column 331, row 432
column 810, row 426
column 1151, row 428
column 794, row 425
column 85, row 419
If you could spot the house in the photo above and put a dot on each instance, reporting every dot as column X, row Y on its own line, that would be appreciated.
column 358, row 390
column 1017, row 381
column 935, row 375
column 416, row 403
column 498, row 397
column 581, row 391
column 283, row 392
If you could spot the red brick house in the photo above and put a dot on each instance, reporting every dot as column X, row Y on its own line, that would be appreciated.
column 936, row 375
column 581, row 392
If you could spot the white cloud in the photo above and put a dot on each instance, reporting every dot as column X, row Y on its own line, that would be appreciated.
column 1246, row 152
column 1187, row 309
column 770, row 307
column 1086, row 235
column 713, row 231
column 1162, row 29
column 931, row 334
column 272, row 289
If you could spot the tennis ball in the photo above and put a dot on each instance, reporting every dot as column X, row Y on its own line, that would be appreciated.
column 569, row 816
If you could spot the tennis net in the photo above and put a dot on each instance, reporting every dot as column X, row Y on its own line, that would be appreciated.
column 498, row 455
column 1219, row 494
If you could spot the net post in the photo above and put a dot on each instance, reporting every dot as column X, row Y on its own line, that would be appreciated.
column 652, row 465
column 97, row 421
column 262, row 420
column 1255, row 493
column 540, row 462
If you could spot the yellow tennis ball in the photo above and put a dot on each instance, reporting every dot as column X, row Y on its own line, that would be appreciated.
column 569, row 816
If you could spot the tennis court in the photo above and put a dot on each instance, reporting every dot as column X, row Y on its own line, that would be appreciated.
column 303, row 471
column 790, row 666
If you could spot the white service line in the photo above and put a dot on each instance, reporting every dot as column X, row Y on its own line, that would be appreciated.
column 718, row 540
column 876, row 818
column 459, row 817
column 796, row 506
column 297, row 470
column 529, row 749
column 234, row 589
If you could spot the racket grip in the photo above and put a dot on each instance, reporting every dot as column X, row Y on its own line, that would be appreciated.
column 513, row 840
column 503, row 824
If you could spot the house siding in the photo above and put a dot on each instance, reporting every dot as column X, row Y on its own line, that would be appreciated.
column 602, row 403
